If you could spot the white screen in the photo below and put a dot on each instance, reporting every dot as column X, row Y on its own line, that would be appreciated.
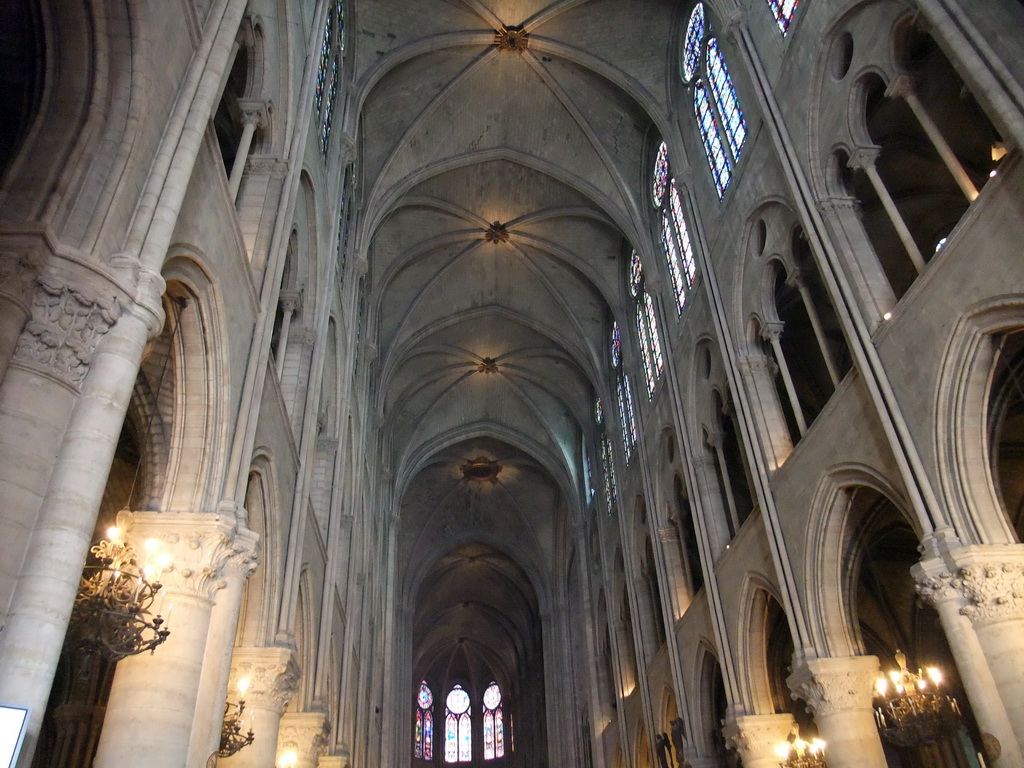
column 12, row 721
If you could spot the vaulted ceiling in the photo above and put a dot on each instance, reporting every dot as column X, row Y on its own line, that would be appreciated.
column 502, row 189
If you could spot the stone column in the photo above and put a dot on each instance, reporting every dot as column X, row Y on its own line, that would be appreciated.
column 206, row 722
column 676, row 572
column 154, row 697
column 710, row 491
column 978, row 592
column 273, row 679
column 772, row 333
column 840, row 693
column 252, row 119
column 755, row 737
column 304, row 735
column 758, row 372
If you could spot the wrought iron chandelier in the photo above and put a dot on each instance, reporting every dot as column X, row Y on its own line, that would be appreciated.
column 113, row 613
column 911, row 709
column 797, row 753
column 231, row 737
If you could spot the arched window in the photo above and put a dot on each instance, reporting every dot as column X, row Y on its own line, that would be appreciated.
column 458, row 736
column 627, row 418
column 494, row 725
column 716, row 106
column 332, row 49
column 611, row 491
column 675, row 237
column 424, row 726
column 646, row 325
column 783, row 11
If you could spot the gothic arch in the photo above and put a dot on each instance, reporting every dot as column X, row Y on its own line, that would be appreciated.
column 753, row 632
column 829, row 530
column 962, row 439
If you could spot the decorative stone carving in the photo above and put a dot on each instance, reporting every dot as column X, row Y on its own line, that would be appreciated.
column 755, row 736
column 864, row 157
column 993, row 592
column 199, row 547
column 836, row 685
column 514, row 39
column 64, row 329
column 273, row 676
column 306, row 733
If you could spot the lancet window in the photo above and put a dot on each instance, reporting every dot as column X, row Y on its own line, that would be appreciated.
column 627, row 417
column 458, row 727
column 646, row 325
column 716, row 105
column 424, row 725
column 675, row 237
column 332, row 50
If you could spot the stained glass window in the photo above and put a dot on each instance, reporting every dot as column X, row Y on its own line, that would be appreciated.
column 598, row 411
column 660, row 173
column 652, row 323
column 424, row 744
column 725, row 96
column 627, row 445
column 645, row 345
column 692, row 44
column 683, row 236
column 494, row 738
column 783, row 11
column 636, row 273
column 708, row 124
column 329, row 72
column 668, row 242
column 458, row 737
column 616, row 345
column 630, row 411
column 611, row 492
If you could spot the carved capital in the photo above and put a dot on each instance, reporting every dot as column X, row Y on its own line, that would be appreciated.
column 772, row 330
column 290, row 301
column 306, row 733
column 864, row 157
column 65, row 326
column 273, row 676
column 735, row 25
column 198, row 547
column 986, row 581
column 834, row 685
column 755, row 736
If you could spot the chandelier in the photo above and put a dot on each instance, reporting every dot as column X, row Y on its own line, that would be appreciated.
column 231, row 737
column 797, row 753
column 113, row 609
column 911, row 709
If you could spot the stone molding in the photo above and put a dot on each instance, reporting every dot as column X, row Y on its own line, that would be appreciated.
column 273, row 676
column 832, row 685
column 305, row 732
column 201, row 547
column 266, row 166
column 333, row 761
column 755, row 736
column 987, row 581
column 836, row 204
column 64, row 329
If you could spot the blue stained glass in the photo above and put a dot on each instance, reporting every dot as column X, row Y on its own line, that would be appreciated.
column 428, row 736
column 636, row 273
column 713, row 148
column 488, row 736
column 339, row 8
column 668, row 242
column 692, row 43
column 598, row 411
column 725, row 97
column 783, row 11
column 332, row 93
column 652, row 322
column 660, row 173
column 616, row 345
column 683, row 235
column 325, row 60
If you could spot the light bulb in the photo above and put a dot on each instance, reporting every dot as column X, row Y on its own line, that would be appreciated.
column 151, row 545
column 243, row 685
column 113, row 533
column 782, row 750
column 882, row 686
column 935, row 674
column 288, row 759
column 817, row 746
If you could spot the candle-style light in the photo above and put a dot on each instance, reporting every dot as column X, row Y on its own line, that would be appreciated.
column 795, row 752
column 231, row 737
column 911, row 709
